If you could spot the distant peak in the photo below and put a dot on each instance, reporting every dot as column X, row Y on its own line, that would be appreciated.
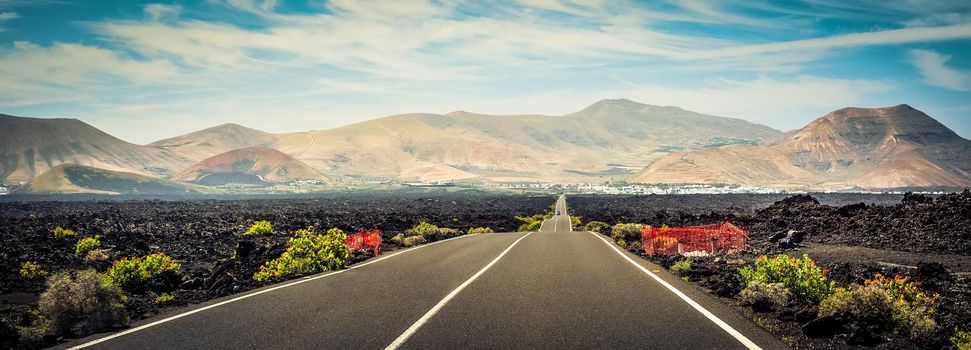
column 619, row 102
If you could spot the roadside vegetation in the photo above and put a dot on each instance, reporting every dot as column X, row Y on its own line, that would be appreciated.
column 307, row 253
column 797, row 298
column 426, row 232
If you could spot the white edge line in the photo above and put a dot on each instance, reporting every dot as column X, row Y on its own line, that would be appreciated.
column 241, row 297
column 434, row 310
column 721, row 324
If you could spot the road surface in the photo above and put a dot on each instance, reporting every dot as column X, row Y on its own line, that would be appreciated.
column 555, row 288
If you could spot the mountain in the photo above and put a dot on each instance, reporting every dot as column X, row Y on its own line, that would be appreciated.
column 30, row 146
column 611, row 138
column 72, row 178
column 253, row 165
column 206, row 143
column 870, row 148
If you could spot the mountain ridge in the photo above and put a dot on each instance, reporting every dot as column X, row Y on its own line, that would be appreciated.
column 870, row 148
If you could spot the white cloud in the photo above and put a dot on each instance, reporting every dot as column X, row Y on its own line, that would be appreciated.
column 933, row 67
column 157, row 12
column 34, row 74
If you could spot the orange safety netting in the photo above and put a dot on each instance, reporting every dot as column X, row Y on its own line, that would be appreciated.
column 710, row 239
column 364, row 240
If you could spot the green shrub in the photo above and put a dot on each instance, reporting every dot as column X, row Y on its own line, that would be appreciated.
column 86, row 245
column 412, row 241
column 164, row 298
column 78, row 300
column 627, row 232
column 961, row 340
column 868, row 304
column 134, row 273
column 575, row 221
column 31, row 270
column 431, row 232
column 634, row 246
column 60, row 232
column 423, row 229
column 913, row 309
column 681, row 268
column 596, row 226
column 478, row 230
column 306, row 255
column 533, row 223
column 765, row 295
column 259, row 228
column 806, row 281
column 398, row 239
column 621, row 243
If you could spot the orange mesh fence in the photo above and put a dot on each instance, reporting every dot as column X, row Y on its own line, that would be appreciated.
column 707, row 239
column 364, row 240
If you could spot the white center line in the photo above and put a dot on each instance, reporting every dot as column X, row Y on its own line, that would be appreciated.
column 721, row 324
column 434, row 310
column 241, row 297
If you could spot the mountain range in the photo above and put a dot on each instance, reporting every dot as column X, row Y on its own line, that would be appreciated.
column 891, row 147
column 611, row 140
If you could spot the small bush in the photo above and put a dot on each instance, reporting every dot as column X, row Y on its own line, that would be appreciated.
column 961, row 340
column 634, row 246
column 78, row 302
column 533, row 223
column 398, row 239
column 478, row 230
column 60, row 232
column 86, row 245
column 859, row 304
column 412, row 241
column 681, row 268
column 765, row 296
column 431, row 232
column 164, row 298
column 596, row 226
column 135, row 273
column 913, row 309
column 806, row 281
column 30, row 270
column 627, row 232
column 576, row 221
column 306, row 255
column 259, row 228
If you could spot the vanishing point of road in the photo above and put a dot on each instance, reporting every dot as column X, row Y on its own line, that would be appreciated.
column 552, row 289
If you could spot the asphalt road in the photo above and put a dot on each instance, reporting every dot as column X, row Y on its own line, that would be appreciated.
column 556, row 288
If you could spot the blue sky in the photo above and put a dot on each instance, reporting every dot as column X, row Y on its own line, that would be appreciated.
column 148, row 70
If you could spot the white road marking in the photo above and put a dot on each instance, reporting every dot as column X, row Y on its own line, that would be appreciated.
column 721, row 324
column 434, row 310
column 241, row 297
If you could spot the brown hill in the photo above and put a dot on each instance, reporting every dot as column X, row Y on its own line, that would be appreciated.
column 253, row 165
column 72, row 178
column 30, row 146
column 206, row 143
column 878, row 148
column 612, row 138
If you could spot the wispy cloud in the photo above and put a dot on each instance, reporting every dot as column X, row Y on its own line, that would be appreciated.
column 933, row 67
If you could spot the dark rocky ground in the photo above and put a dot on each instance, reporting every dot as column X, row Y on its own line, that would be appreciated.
column 203, row 234
column 928, row 239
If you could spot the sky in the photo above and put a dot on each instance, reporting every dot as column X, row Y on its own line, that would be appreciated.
column 144, row 71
